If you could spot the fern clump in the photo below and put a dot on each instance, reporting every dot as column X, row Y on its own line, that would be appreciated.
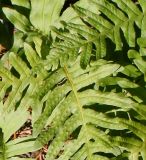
column 82, row 76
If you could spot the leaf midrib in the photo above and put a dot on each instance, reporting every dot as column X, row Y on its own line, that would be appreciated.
column 80, row 108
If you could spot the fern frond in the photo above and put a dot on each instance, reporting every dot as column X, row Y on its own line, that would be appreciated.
column 70, row 111
column 116, row 19
column 20, row 78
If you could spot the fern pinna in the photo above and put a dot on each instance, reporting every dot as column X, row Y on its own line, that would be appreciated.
column 88, row 95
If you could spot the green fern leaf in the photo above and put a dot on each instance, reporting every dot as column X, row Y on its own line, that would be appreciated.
column 21, row 22
column 45, row 13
